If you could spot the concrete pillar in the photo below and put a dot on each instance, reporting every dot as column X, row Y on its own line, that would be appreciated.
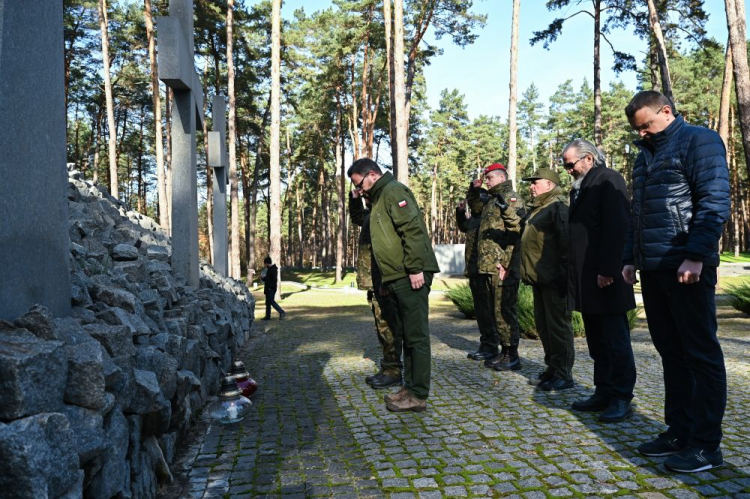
column 218, row 160
column 34, row 241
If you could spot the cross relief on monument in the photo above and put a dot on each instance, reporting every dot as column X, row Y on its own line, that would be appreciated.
column 176, row 51
column 218, row 159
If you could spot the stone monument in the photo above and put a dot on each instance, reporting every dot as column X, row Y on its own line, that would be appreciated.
column 218, row 159
column 34, row 241
column 175, row 37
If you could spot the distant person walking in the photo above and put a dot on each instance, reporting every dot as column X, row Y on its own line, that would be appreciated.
column 404, row 255
column 270, row 286
column 681, row 200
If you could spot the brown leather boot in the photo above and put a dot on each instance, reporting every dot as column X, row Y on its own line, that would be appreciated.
column 407, row 403
column 392, row 397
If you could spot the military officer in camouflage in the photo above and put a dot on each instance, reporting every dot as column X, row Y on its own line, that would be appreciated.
column 368, row 277
column 499, row 262
column 469, row 224
column 544, row 264
column 404, row 255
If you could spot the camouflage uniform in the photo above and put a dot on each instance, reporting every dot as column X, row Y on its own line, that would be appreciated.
column 483, row 313
column 499, row 243
column 368, row 277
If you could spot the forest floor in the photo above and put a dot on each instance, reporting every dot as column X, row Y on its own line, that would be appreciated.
column 316, row 429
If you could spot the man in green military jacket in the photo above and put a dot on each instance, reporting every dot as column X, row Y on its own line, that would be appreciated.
column 544, row 264
column 499, row 261
column 404, row 255
column 368, row 278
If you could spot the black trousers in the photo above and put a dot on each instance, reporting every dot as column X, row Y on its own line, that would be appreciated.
column 271, row 302
column 608, row 339
column 682, row 322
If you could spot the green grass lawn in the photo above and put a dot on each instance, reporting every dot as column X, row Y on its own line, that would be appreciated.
column 318, row 279
column 729, row 257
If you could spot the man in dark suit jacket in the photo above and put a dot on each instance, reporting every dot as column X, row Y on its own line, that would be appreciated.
column 599, row 210
column 270, row 286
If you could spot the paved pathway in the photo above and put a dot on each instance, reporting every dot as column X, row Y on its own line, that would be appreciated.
column 318, row 430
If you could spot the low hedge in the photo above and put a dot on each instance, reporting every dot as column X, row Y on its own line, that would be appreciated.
column 461, row 297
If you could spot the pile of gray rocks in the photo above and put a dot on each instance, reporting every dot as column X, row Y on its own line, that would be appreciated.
column 94, row 404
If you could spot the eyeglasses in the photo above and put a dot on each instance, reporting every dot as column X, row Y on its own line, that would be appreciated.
column 364, row 176
column 647, row 125
column 570, row 166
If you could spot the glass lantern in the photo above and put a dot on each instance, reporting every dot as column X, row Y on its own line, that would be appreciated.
column 231, row 406
column 244, row 381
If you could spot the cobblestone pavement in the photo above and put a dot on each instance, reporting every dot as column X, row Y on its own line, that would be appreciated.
column 317, row 429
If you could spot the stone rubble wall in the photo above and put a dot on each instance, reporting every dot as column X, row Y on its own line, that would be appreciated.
column 94, row 404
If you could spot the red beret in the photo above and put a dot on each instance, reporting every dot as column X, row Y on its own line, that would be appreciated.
column 493, row 167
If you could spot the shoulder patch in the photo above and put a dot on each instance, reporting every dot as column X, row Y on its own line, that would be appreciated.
column 402, row 203
column 513, row 199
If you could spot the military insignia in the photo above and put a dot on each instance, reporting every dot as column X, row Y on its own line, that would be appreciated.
column 402, row 203
column 513, row 200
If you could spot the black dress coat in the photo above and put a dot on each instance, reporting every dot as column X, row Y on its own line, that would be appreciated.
column 271, row 280
column 598, row 227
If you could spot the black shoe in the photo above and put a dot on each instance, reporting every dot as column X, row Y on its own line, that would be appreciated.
column 618, row 410
column 594, row 403
column 480, row 355
column 282, row 315
column 385, row 381
column 693, row 459
column 663, row 445
column 556, row 384
column 369, row 379
column 508, row 363
column 541, row 378
column 266, row 319
column 490, row 362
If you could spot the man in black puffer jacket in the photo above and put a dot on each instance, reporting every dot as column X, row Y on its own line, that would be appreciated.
column 680, row 204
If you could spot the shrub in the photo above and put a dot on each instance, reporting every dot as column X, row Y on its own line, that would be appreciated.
column 461, row 297
column 739, row 297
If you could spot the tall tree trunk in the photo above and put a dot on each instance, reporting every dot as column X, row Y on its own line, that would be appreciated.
column 388, row 21
column 353, row 127
column 738, row 40
column 726, row 99
column 289, row 200
column 732, row 162
column 597, row 74
column 209, row 173
column 341, row 232
column 513, row 99
column 275, row 167
column 141, row 184
column 433, row 206
column 97, row 145
column 402, row 114
column 661, row 50
column 234, row 251
column 158, row 139
column 113, row 181
column 300, row 223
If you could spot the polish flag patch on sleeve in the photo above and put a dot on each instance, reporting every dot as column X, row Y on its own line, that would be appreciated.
column 513, row 200
column 402, row 203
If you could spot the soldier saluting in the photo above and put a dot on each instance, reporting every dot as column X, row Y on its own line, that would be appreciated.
column 499, row 262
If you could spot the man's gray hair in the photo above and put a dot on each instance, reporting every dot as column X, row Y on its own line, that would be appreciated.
column 585, row 148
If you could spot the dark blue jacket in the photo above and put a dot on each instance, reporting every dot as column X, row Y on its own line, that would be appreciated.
column 680, row 198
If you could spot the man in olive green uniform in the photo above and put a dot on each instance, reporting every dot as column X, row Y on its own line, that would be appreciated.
column 499, row 261
column 404, row 255
column 368, row 277
column 544, row 263
column 469, row 224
